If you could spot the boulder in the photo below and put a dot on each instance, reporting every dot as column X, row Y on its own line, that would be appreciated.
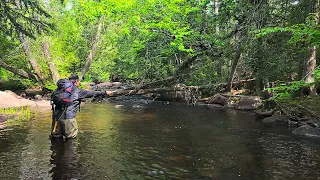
column 237, row 101
column 102, row 86
column 307, row 131
column 172, row 96
column 219, row 99
column 248, row 102
column 38, row 97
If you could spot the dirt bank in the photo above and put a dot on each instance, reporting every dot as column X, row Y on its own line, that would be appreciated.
column 9, row 99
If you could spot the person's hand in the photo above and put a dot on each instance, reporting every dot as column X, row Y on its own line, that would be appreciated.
column 109, row 93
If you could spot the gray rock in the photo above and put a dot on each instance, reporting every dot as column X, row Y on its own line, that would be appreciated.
column 314, row 122
column 214, row 106
column 276, row 119
column 219, row 99
column 237, row 101
column 249, row 103
column 3, row 118
column 307, row 131
column 38, row 97
column 172, row 96
column 265, row 113
column 292, row 123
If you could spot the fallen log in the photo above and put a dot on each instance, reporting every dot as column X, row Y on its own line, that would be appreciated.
column 173, row 78
column 177, row 87
column 154, row 90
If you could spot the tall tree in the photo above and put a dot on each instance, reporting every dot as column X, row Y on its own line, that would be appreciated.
column 311, row 61
column 93, row 49
column 31, row 59
column 52, row 68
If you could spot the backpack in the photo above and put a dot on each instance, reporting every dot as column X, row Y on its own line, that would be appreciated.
column 61, row 96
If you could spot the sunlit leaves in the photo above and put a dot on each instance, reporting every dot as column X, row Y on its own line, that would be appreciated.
column 308, row 33
column 24, row 16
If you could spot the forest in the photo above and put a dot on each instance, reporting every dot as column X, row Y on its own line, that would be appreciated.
column 255, row 45
column 169, row 89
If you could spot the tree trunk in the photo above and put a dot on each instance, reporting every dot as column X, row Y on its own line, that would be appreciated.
column 266, row 82
column 33, row 62
column 234, row 66
column 312, row 53
column 53, row 70
column 20, row 72
column 204, row 20
column 86, row 67
column 216, row 10
column 310, row 66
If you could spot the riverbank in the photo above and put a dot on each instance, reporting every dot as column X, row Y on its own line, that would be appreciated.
column 300, row 114
column 9, row 99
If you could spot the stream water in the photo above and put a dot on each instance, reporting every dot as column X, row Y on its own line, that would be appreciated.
column 157, row 141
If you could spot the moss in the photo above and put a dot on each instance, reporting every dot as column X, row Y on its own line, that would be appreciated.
column 16, row 112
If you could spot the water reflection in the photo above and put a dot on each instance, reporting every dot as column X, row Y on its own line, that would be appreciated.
column 64, row 159
column 158, row 142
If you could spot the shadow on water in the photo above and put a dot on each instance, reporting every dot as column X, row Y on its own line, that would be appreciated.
column 64, row 159
column 152, row 140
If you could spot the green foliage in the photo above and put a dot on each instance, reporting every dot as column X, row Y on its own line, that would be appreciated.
column 316, row 75
column 18, row 113
column 16, row 84
column 148, row 40
column 24, row 16
column 287, row 90
column 50, row 86
column 308, row 33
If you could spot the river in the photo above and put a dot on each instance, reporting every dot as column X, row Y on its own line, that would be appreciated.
column 157, row 141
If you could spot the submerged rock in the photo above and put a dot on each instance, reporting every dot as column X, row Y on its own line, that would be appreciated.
column 155, row 172
column 265, row 113
column 307, row 131
column 214, row 106
column 314, row 122
column 276, row 119
column 3, row 118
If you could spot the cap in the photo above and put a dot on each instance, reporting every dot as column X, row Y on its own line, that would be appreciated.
column 74, row 77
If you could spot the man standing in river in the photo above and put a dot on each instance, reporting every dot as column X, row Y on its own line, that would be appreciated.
column 64, row 122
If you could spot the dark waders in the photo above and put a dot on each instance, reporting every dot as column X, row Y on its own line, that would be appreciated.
column 56, row 128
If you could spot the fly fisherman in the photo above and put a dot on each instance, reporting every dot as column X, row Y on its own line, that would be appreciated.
column 66, row 101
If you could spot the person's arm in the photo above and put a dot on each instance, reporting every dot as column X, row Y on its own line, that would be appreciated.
column 88, row 94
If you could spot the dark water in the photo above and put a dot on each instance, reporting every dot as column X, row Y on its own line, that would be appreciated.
column 157, row 141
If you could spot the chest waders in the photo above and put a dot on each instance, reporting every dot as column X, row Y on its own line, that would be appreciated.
column 63, row 113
